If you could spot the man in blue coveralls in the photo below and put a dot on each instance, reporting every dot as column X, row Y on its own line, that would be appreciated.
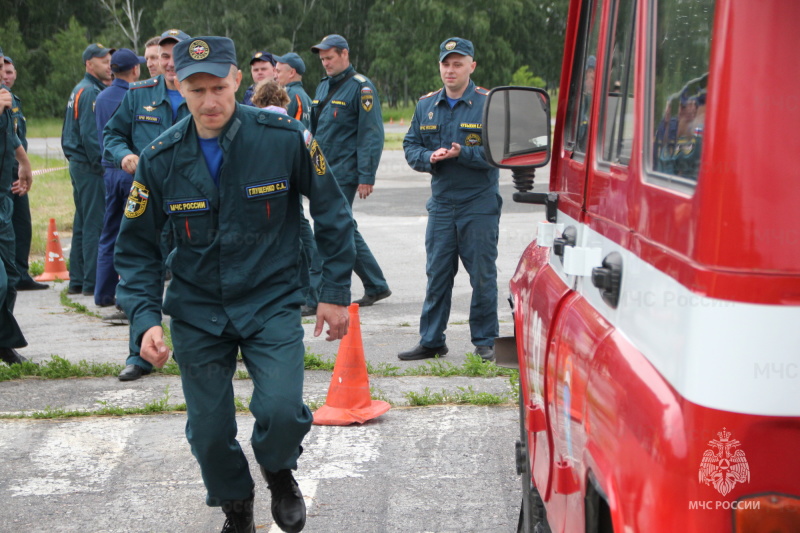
column 235, row 274
column 346, row 119
column 464, row 209
column 148, row 109
column 79, row 142
column 125, row 66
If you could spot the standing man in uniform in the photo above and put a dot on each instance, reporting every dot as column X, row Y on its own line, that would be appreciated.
column 289, row 70
column 125, row 65
column 346, row 119
column 21, row 219
column 262, row 66
column 80, row 146
column 11, row 151
column 148, row 109
column 235, row 275
column 464, row 209
column 151, row 55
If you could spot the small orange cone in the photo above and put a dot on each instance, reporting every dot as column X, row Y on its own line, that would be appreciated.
column 402, row 122
column 391, row 121
column 54, row 265
column 348, row 400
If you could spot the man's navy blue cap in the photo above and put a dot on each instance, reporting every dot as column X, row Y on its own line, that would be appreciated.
column 294, row 61
column 263, row 56
column 456, row 45
column 331, row 41
column 96, row 50
column 175, row 36
column 1, row 51
column 6, row 59
column 125, row 59
column 212, row 55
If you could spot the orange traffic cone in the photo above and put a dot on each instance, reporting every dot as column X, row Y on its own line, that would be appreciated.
column 348, row 399
column 54, row 265
column 402, row 122
column 391, row 121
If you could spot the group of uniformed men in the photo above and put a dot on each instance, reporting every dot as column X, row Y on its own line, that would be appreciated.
column 187, row 197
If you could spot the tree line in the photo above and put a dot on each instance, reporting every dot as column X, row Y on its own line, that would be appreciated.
column 394, row 42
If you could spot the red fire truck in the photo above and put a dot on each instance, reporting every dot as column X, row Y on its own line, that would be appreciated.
column 657, row 313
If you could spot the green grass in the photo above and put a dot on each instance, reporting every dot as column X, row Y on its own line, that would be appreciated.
column 67, row 302
column 393, row 141
column 50, row 197
column 402, row 112
column 43, row 127
column 463, row 395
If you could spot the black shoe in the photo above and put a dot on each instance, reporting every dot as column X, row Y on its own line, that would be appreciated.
column 288, row 507
column 308, row 311
column 369, row 299
column 132, row 373
column 87, row 293
column 117, row 318
column 74, row 290
column 239, row 517
column 12, row 357
column 486, row 352
column 422, row 352
column 31, row 285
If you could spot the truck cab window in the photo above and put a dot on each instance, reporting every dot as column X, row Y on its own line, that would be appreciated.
column 581, row 88
column 617, row 112
column 680, row 51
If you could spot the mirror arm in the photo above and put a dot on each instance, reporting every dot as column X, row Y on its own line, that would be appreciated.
column 523, row 182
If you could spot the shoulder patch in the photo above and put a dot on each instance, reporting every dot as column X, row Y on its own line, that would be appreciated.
column 481, row 90
column 137, row 200
column 152, row 82
column 432, row 93
column 360, row 78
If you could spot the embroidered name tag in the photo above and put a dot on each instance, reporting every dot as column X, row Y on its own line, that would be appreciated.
column 429, row 127
column 340, row 103
column 188, row 206
column 266, row 189
column 470, row 126
column 148, row 118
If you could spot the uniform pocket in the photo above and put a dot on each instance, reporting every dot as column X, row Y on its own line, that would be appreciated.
column 192, row 220
column 265, row 203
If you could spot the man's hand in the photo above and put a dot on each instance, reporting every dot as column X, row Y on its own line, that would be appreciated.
column 336, row 316
column 364, row 190
column 153, row 348
column 25, row 176
column 129, row 163
column 443, row 153
column 5, row 100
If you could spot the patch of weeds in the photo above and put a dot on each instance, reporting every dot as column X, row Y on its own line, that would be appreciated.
column 475, row 366
column 36, row 268
column 463, row 396
column 314, row 405
column 157, row 406
column 314, row 361
column 167, row 336
column 59, row 368
column 404, row 325
column 383, row 369
column 66, row 301
column 242, row 404
column 378, row 394
column 459, row 323
column 308, row 321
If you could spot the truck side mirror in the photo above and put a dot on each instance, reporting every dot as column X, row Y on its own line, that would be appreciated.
column 516, row 127
column 516, row 132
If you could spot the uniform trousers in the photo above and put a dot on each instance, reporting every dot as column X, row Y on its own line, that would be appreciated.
column 117, row 187
column 311, row 264
column 274, row 358
column 469, row 231
column 366, row 266
column 10, row 334
column 88, row 191
column 22, row 235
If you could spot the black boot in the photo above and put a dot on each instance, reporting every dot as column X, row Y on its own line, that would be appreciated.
column 239, row 516
column 288, row 506
column 11, row 357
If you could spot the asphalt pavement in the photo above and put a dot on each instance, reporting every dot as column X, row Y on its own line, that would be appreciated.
column 414, row 469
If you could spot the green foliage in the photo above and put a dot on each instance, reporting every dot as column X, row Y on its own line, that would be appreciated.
column 523, row 77
column 59, row 368
column 461, row 396
column 66, row 301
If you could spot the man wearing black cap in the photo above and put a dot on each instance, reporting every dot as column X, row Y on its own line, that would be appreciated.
column 464, row 209
column 81, row 148
column 149, row 108
column 262, row 67
column 11, row 152
column 235, row 274
column 346, row 119
column 22, row 211
column 125, row 65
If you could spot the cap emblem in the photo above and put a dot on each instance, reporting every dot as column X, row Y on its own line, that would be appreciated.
column 450, row 45
column 174, row 33
column 258, row 54
column 198, row 50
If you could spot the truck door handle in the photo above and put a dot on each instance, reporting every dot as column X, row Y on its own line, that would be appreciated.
column 568, row 238
column 608, row 278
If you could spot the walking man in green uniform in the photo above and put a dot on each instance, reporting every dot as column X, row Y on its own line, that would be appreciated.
column 11, row 152
column 346, row 120
column 149, row 108
column 82, row 149
column 235, row 284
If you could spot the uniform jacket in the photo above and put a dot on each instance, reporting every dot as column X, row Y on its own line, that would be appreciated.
column 8, row 146
column 248, row 95
column 435, row 125
column 107, row 102
column 350, row 128
column 20, row 126
column 144, row 114
column 237, row 247
column 79, row 134
column 299, row 106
